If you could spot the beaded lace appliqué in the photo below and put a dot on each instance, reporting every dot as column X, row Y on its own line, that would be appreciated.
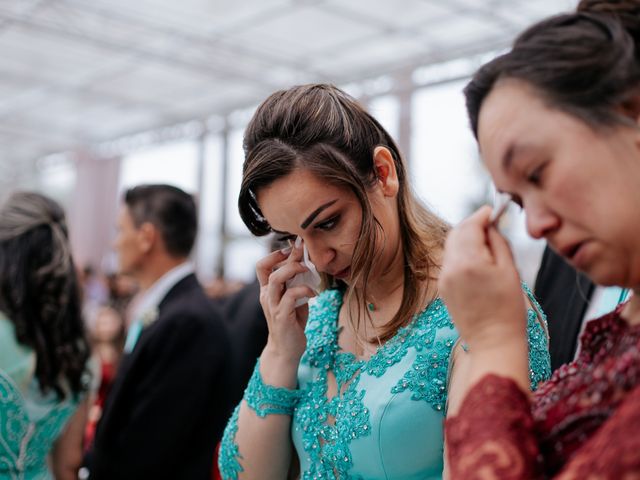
column 267, row 400
column 229, row 455
column 24, row 444
column 264, row 400
column 329, row 425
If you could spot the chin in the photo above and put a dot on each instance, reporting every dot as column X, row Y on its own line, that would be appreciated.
column 606, row 276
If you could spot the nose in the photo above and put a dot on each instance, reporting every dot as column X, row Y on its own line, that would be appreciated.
column 541, row 221
column 320, row 254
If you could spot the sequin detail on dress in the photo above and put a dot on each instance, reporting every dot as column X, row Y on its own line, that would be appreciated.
column 417, row 358
column 24, row 443
column 266, row 400
column 430, row 333
column 229, row 456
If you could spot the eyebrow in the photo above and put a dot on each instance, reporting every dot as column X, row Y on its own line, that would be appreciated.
column 507, row 159
column 315, row 213
column 514, row 150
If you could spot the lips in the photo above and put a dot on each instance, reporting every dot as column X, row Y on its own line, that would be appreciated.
column 343, row 273
column 578, row 254
column 569, row 251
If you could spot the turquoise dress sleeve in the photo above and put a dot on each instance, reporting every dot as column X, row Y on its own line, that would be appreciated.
column 538, row 341
column 387, row 420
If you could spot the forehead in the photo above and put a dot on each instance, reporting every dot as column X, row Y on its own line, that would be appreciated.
column 295, row 196
column 124, row 215
column 514, row 117
column 510, row 112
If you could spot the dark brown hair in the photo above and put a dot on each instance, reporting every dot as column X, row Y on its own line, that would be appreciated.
column 584, row 63
column 171, row 210
column 626, row 12
column 39, row 290
column 324, row 130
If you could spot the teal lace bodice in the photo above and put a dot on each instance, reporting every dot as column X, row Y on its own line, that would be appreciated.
column 29, row 421
column 386, row 422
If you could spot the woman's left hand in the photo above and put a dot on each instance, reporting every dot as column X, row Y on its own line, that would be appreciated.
column 480, row 285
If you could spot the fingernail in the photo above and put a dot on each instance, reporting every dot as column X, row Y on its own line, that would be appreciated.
column 285, row 250
column 298, row 242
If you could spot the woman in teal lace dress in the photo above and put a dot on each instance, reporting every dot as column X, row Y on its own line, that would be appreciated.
column 42, row 347
column 356, row 385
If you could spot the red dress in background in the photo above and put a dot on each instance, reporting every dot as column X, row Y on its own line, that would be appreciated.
column 583, row 423
column 108, row 373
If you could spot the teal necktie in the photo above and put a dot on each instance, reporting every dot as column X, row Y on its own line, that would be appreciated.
column 135, row 329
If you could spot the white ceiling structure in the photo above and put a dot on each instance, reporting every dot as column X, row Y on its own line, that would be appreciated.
column 77, row 73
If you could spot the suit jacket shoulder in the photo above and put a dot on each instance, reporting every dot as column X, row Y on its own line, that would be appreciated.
column 563, row 293
column 169, row 403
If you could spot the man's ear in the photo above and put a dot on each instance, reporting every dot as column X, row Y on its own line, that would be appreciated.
column 386, row 173
column 147, row 236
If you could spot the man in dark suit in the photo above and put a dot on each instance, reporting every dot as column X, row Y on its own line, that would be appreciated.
column 564, row 295
column 248, row 331
column 169, row 403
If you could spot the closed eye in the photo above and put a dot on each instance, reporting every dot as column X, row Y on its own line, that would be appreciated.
column 329, row 224
column 535, row 177
column 286, row 238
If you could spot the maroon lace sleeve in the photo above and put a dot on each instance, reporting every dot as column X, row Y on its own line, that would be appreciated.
column 492, row 436
column 614, row 451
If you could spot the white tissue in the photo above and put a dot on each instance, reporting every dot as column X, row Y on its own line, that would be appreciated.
column 311, row 278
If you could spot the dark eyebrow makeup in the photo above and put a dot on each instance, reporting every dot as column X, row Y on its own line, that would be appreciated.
column 315, row 213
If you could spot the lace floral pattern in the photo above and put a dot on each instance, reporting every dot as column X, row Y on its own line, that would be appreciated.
column 327, row 426
column 582, row 423
column 229, row 456
column 492, row 405
column 25, row 444
column 267, row 400
column 431, row 334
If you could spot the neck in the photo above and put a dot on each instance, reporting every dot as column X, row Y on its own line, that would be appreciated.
column 387, row 282
column 155, row 268
column 387, row 288
column 631, row 311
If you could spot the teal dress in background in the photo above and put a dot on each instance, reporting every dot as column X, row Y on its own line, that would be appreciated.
column 29, row 421
column 387, row 422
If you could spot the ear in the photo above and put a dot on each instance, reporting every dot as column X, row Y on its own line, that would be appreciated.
column 630, row 108
column 147, row 236
column 385, row 169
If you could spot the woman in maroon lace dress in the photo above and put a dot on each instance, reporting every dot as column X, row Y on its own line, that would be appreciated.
column 557, row 121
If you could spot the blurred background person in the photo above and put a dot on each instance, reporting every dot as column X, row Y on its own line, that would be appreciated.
column 122, row 291
column 169, row 402
column 107, row 336
column 247, row 326
column 43, row 350
column 95, row 292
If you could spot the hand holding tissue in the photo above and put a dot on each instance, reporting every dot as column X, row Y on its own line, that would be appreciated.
column 311, row 278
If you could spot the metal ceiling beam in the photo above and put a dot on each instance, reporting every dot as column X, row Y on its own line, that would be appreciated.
column 225, row 72
column 75, row 90
column 33, row 97
column 214, row 39
column 41, row 132
column 485, row 13
column 26, row 9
